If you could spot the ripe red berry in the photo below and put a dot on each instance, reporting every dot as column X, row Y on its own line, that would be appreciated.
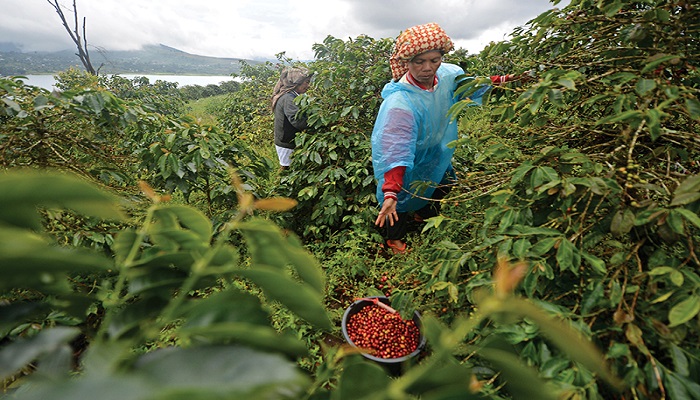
column 384, row 334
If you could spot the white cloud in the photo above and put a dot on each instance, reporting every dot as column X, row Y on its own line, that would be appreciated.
column 257, row 28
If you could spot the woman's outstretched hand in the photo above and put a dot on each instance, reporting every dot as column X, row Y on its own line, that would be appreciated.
column 387, row 213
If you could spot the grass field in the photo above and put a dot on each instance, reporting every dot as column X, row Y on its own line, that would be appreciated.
column 205, row 109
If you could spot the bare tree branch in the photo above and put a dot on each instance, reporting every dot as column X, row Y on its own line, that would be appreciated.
column 80, row 42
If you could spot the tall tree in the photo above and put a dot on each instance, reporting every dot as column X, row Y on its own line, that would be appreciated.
column 80, row 41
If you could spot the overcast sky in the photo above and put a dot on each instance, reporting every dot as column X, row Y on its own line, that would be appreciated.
column 257, row 28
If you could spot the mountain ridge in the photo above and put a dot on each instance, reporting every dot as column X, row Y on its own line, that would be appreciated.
column 150, row 59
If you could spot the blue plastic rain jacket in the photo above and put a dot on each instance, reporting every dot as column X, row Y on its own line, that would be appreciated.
column 412, row 130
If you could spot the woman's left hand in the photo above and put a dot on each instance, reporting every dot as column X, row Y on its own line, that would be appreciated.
column 388, row 212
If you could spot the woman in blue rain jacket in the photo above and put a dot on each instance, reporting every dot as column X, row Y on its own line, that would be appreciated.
column 410, row 154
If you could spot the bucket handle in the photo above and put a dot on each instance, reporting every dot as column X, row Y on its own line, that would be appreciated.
column 376, row 301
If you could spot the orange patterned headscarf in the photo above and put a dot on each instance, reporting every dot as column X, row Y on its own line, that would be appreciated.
column 417, row 40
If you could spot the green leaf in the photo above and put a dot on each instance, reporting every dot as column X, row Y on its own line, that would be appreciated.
column 653, row 118
column 687, row 192
column 155, row 281
column 567, row 83
column 521, row 247
column 356, row 369
column 538, row 97
column 693, row 106
column 437, row 375
column 457, row 392
column 181, row 226
column 524, row 230
column 21, row 193
column 40, row 102
column 648, row 216
column 181, row 260
column 636, row 337
column 565, row 255
column 135, row 316
column 596, row 263
column 219, row 307
column 661, row 271
column 684, row 311
column 610, row 9
column 592, row 298
column 663, row 297
column 221, row 371
column 300, row 299
column 458, row 108
column 17, row 355
column 645, row 86
column 112, row 387
column 622, row 222
column 520, row 173
column 677, row 278
column 123, row 243
column 675, row 387
column 685, row 198
column 260, row 337
column 521, row 380
column 542, row 175
column 13, row 314
column 178, row 239
column 597, row 98
column 269, row 247
column 680, row 361
column 26, row 262
column 624, row 116
column 544, row 246
column 12, row 104
column 675, row 222
column 689, row 216
column 566, row 338
column 236, row 316
column 656, row 60
column 556, row 97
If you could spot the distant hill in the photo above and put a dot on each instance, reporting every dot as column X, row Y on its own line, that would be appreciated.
column 152, row 59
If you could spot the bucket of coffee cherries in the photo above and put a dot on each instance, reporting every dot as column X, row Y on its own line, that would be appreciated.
column 380, row 333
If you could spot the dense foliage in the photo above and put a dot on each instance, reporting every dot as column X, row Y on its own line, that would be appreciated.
column 332, row 176
column 564, row 264
column 602, row 192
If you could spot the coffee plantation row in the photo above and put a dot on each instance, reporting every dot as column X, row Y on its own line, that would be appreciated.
column 146, row 254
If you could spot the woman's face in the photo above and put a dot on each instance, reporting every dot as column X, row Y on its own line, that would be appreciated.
column 303, row 86
column 424, row 65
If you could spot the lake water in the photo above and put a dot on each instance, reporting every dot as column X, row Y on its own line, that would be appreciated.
column 48, row 81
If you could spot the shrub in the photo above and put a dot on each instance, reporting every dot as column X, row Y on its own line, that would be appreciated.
column 331, row 173
column 601, row 196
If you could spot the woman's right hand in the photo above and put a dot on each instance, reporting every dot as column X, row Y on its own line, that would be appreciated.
column 388, row 212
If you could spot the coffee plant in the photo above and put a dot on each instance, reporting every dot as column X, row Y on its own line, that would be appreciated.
column 331, row 174
column 171, row 274
column 74, row 130
column 185, row 156
column 602, row 195
column 564, row 264
column 148, row 287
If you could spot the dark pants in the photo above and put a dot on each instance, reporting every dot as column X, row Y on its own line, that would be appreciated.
column 407, row 220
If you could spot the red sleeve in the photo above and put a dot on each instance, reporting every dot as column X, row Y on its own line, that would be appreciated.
column 393, row 179
column 499, row 79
